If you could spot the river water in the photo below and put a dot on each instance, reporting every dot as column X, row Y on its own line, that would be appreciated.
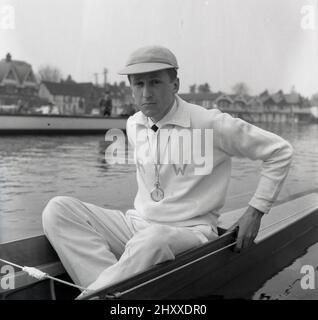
column 33, row 169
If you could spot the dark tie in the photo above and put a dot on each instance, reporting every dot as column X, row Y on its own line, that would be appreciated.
column 154, row 128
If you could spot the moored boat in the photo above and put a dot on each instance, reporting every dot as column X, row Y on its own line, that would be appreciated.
column 28, row 123
column 212, row 270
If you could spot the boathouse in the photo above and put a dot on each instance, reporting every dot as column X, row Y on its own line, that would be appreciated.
column 18, row 85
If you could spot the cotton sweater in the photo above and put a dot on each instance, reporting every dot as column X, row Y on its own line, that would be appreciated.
column 192, row 197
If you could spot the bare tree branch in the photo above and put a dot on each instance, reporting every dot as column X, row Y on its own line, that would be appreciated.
column 240, row 88
column 49, row 73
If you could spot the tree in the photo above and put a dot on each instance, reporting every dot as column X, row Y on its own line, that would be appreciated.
column 314, row 99
column 49, row 73
column 193, row 88
column 240, row 89
column 69, row 79
column 203, row 88
column 122, row 84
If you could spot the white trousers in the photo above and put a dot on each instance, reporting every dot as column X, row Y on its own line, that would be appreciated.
column 100, row 247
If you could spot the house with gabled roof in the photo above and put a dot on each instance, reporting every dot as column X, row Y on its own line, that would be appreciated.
column 240, row 102
column 82, row 97
column 224, row 101
column 268, row 102
column 293, row 98
column 70, row 97
column 255, row 104
column 264, row 95
column 280, row 100
column 18, row 85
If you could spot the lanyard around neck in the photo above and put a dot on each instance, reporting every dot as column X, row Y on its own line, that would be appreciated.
column 157, row 163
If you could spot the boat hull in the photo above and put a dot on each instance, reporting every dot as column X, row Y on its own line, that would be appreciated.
column 211, row 271
column 17, row 124
column 226, row 274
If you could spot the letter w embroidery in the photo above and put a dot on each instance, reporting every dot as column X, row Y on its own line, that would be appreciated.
column 179, row 169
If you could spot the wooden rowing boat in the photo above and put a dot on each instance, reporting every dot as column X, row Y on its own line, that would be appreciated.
column 57, row 124
column 211, row 271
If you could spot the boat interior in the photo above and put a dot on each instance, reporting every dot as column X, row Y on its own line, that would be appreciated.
column 211, row 271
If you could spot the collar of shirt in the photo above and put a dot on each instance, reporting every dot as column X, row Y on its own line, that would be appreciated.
column 176, row 116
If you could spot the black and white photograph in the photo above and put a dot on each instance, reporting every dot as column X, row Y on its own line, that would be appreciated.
column 159, row 150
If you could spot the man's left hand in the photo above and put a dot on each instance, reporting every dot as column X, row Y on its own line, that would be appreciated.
column 249, row 225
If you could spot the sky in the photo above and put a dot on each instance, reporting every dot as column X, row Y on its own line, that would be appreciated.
column 268, row 44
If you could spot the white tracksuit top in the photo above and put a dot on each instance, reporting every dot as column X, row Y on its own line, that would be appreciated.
column 195, row 196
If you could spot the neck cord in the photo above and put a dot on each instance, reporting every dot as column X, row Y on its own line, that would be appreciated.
column 157, row 193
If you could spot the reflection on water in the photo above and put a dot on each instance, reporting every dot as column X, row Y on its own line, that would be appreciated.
column 34, row 169
column 286, row 285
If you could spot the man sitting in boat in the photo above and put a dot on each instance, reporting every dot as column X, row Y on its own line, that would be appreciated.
column 177, row 206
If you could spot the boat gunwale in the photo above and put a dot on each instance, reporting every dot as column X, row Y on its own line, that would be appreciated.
column 298, row 216
column 112, row 291
column 94, row 117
